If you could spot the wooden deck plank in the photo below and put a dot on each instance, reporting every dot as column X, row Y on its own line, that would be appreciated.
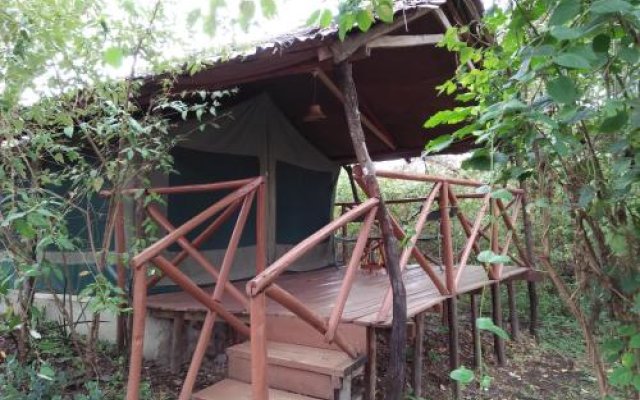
column 319, row 289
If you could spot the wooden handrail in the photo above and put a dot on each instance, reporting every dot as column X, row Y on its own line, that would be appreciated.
column 406, row 252
column 471, row 239
column 268, row 276
column 157, row 216
column 350, row 274
column 152, row 251
column 410, row 200
column 184, row 189
column 410, row 176
column 199, row 240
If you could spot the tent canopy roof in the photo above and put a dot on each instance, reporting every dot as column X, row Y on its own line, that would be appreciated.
column 396, row 85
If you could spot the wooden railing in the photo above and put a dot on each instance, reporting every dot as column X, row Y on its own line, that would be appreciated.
column 448, row 198
column 241, row 198
column 263, row 286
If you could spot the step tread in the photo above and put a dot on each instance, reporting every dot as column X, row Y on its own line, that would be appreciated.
column 323, row 361
column 228, row 389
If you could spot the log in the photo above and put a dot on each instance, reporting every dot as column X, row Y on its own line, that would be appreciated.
column 514, row 323
column 120, row 247
column 411, row 176
column 531, row 284
column 396, row 370
column 475, row 332
column 371, row 367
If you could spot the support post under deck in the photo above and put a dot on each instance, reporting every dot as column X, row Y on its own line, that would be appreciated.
column 475, row 332
column 497, row 320
column 514, row 323
column 370, row 370
column 418, row 353
column 454, row 343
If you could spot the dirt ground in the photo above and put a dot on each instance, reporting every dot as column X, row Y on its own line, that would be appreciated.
column 531, row 372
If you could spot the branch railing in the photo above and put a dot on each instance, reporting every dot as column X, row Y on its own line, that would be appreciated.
column 241, row 199
column 444, row 191
column 264, row 285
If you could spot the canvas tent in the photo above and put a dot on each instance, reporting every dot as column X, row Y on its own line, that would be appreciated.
column 250, row 139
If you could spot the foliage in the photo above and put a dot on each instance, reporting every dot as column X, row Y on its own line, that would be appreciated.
column 551, row 87
column 361, row 14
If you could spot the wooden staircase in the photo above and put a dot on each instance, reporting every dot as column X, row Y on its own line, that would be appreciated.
column 300, row 365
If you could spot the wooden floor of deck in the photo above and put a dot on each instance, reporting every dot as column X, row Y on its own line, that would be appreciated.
column 318, row 290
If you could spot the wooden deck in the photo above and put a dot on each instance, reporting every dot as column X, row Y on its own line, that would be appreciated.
column 318, row 290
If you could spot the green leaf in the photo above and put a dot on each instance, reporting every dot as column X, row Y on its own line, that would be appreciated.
column 621, row 376
column 438, row 144
column 113, row 56
column 268, row 8
column 345, row 24
column 628, row 360
column 488, row 256
column 68, row 131
column 565, row 33
column 486, row 324
column 462, row 375
column 615, row 123
column 562, row 90
column 313, row 18
column 247, row 12
column 46, row 372
column 601, row 43
column 610, row 6
column 565, row 11
column 587, row 194
column 326, row 18
column 572, row 60
column 384, row 9
column 629, row 54
column 502, row 194
column 364, row 19
column 634, row 342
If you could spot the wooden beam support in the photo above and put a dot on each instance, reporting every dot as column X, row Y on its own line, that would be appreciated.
column 385, row 137
column 514, row 323
column 343, row 50
column 497, row 321
column 395, row 41
column 371, row 367
column 475, row 332
column 418, row 355
column 454, row 342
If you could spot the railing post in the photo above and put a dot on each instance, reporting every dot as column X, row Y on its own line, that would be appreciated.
column 137, row 335
column 447, row 244
column 259, row 384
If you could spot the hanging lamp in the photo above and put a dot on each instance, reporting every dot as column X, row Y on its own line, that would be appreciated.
column 314, row 113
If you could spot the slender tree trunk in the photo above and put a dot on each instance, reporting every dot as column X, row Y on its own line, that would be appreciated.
column 394, row 387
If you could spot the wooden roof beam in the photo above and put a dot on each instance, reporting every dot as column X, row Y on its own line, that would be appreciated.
column 378, row 131
column 343, row 50
column 396, row 41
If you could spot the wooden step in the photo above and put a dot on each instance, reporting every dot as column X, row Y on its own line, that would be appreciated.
column 231, row 389
column 321, row 373
column 323, row 361
column 291, row 329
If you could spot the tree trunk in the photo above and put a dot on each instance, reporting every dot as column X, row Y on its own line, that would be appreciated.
column 394, row 387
